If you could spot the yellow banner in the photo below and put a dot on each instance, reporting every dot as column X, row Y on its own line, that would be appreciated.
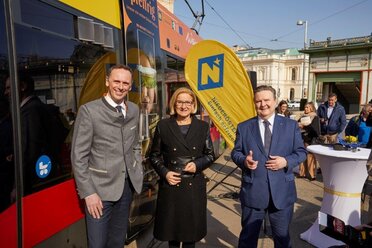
column 107, row 11
column 221, row 84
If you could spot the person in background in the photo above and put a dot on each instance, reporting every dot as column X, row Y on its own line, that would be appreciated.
column 310, row 130
column 267, row 148
column 181, row 150
column 357, row 125
column 369, row 124
column 332, row 119
column 106, row 160
column 282, row 109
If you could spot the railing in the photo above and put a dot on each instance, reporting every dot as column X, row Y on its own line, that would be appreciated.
column 341, row 42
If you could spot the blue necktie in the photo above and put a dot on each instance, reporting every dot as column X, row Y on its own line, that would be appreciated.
column 118, row 108
column 267, row 137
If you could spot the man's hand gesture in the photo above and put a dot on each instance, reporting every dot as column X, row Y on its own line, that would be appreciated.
column 249, row 162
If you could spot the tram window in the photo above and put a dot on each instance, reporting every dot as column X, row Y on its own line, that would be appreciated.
column 42, row 15
column 58, row 67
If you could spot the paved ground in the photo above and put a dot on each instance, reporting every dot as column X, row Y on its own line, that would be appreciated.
column 224, row 209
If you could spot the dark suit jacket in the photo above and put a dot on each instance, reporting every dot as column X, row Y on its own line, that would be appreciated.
column 257, row 184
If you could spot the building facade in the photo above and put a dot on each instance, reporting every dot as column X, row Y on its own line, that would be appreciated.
column 343, row 67
column 283, row 69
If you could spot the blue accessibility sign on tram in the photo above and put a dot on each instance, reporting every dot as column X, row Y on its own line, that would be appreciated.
column 43, row 166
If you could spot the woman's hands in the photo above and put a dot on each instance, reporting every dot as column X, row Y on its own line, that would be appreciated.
column 174, row 178
column 190, row 167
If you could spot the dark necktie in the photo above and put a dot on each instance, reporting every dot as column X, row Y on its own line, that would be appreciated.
column 267, row 138
column 118, row 108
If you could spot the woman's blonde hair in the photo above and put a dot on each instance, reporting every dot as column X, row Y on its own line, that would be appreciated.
column 312, row 106
column 172, row 102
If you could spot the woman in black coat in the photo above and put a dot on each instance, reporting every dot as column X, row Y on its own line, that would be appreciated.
column 309, row 124
column 181, row 150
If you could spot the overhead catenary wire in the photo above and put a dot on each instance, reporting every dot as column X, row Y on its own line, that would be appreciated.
column 261, row 40
column 231, row 28
column 320, row 20
column 239, row 33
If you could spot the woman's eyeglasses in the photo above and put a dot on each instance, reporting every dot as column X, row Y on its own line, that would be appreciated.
column 186, row 103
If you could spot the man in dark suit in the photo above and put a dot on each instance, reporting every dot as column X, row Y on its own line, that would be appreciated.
column 106, row 158
column 267, row 147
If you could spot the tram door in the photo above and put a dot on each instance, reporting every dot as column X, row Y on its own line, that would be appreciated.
column 39, row 102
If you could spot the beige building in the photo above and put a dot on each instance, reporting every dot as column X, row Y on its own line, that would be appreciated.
column 283, row 69
column 343, row 67
column 169, row 4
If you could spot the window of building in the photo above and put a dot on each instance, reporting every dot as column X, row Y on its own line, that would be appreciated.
column 262, row 73
column 293, row 74
column 291, row 94
column 173, row 25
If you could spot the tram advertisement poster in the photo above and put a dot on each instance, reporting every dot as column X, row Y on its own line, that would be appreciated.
column 142, row 40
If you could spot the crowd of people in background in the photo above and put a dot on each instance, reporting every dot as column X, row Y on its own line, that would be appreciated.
column 328, row 125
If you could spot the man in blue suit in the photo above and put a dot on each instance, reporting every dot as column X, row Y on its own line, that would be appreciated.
column 267, row 147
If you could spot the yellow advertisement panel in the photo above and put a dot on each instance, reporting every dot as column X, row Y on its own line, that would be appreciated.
column 221, row 84
column 107, row 11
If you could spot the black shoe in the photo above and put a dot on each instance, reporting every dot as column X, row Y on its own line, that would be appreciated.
column 312, row 179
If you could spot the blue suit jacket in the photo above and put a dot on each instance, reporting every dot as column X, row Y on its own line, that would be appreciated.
column 258, row 184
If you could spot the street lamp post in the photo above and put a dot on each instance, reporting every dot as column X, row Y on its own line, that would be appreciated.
column 301, row 23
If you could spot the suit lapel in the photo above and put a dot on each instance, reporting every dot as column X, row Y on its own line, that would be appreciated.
column 129, row 113
column 257, row 135
column 278, row 126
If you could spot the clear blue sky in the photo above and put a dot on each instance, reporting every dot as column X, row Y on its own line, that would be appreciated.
column 259, row 23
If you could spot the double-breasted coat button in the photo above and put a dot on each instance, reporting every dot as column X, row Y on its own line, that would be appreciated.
column 190, row 184
column 174, row 149
column 194, row 148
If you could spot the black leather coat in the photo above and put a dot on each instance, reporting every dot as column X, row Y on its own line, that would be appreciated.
column 170, row 150
column 181, row 209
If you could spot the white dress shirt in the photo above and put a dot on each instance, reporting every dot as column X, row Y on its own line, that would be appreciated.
column 114, row 104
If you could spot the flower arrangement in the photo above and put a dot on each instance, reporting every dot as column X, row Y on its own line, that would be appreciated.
column 351, row 139
column 350, row 143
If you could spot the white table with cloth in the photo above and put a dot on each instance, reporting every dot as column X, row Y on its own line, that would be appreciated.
column 344, row 174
